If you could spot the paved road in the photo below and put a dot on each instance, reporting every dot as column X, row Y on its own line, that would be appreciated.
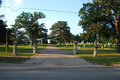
column 55, row 64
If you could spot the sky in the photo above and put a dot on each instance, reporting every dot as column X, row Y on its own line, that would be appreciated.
column 46, row 7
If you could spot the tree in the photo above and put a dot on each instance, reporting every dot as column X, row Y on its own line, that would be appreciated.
column 91, row 17
column 2, row 32
column 14, row 32
column 60, row 29
column 66, row 35
column 111, row 8
column 9, row 35
column 87, row 37
column 17, row 35
column 0, row 2
column 30, row 23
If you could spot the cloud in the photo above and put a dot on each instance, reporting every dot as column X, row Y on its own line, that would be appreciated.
column 18, row 2
column 7, row 3
column 49, row 23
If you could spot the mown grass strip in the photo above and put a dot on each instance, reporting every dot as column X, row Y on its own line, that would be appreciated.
column 22, row 51
column 105, row 56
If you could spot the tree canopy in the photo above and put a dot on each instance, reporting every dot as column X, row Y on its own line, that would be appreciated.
column 101, row 18
column 30, row 23
column 61, row 30
column 2, row 32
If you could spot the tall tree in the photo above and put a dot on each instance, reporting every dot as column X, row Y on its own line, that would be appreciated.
column 87, row 37
column 2, row 32
column 0, row 2
column 29, row 21
column 66, row 35
column 112, row 8
column 91, row 16
column 60, row 29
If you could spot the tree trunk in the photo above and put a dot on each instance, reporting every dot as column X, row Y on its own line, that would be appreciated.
column 117, row 46
column 60, row 38
column 14, row 48
column 31, row 43
column 35, row 46
column 41, row 41
column 102, row 45
column 118, row 35
column 75, row 48
column 31, row 40
column 66, row 44
column 95, row 48
column 95, row 40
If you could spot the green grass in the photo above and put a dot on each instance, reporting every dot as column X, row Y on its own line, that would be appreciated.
column 22, row 51
column 106, row 56
column 12, row 60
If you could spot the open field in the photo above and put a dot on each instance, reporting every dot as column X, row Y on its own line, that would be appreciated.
column 23, row 53
column 105, row 56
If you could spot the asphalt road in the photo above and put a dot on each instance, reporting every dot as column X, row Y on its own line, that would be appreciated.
column 55, row 64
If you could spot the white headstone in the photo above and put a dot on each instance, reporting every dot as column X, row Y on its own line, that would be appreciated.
column 105, row 45
column 79, row 47
column 84, row 45
column 89, row 42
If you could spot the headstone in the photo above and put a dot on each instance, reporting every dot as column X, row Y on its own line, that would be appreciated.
column 89, row 42
column 75, row 48
column 31, row 44
column 82, row 42
column 14, row 48
column 105, row 45
column 98, row 43
column 79, row 47
column 41, row 41
column 110, row 45
column 84, row 45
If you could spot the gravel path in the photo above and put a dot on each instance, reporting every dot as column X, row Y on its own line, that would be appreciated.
column 52, row 56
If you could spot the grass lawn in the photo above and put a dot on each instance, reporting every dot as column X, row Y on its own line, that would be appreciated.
column 23, row 53
column 106, row 56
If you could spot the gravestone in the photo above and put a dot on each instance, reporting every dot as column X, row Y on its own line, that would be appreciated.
column 84, row 45
column 82, row 42
column 41, row 41
column 105, row 45
column 111, row 45
column 89, row 42
column 14, row 48
column 75, row 48
column 98, row 43
column 79, row 47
